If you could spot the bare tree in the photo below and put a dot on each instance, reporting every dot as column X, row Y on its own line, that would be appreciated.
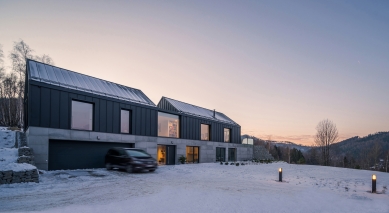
column 326, row 135
column 44, row 59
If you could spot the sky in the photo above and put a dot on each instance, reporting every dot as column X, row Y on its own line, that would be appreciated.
column 275, row 67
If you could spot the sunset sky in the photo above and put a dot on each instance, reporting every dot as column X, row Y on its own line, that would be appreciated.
column 275, row 67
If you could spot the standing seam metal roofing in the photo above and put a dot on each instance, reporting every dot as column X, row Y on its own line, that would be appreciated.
column 199, row 111
column 73, row 80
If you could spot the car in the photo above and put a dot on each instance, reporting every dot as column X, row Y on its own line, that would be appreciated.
column 129, row 159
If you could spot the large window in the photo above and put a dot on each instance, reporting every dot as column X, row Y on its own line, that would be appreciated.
column 124, row 121
column 227, row 135
column 82, row 115
column 204, row 132
column 220, row 154
column 192, row 154
column 168, row 125
column 231, row 154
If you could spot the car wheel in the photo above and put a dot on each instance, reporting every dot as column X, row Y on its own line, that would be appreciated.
column 108, row 166
column 152, row 170
column 129, row 169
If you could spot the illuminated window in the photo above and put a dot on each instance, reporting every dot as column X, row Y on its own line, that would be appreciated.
column 192, row 154
column 227, row 135
column 82, row 115
column 204, row 132
column 168, row 125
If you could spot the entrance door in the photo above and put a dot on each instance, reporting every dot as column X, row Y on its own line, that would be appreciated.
column 171, row 154
column 166, row 154
column 192, row 154
column 231, row 154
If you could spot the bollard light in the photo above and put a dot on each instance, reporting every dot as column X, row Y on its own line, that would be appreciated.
column 373, row 184
column 280, row 174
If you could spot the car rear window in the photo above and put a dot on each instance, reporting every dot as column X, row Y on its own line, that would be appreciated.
column 137, row 153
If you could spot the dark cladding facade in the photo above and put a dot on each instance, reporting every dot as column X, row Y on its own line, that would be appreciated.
column 79, row 107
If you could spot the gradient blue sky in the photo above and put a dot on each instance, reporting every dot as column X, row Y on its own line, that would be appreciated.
column 275, row 67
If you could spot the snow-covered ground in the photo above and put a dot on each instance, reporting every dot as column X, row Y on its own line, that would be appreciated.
column 208, row 187
column 7, row 138
column 8, row 154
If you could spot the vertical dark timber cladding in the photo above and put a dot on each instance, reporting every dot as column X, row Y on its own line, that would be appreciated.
column 109, row 116
column 54, row 109
column 153, row 123
column 64, row 111
column 143, row 121
column 147, row 121
column 35, row 100
column 103, row 115
column 138, row 120
column 45, row 107
column 116, row 117
column 96, row 117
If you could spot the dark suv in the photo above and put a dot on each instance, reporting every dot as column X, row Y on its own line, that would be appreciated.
column 130, row 159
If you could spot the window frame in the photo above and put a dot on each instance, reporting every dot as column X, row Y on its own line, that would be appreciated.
column 178, row 128
column 71, row 114
column 224, row 135
column 209, row 131
column 129, row 121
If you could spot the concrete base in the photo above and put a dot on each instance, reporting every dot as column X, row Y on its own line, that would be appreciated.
column 38, row 139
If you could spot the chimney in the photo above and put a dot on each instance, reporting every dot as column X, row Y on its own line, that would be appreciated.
column 214, row 114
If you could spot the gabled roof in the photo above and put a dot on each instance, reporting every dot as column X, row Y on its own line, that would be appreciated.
column 189, row 109
column 68, row 79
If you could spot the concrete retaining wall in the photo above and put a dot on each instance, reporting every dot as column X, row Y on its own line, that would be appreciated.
column 38, row 139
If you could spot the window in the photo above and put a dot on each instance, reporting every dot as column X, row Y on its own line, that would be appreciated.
column 220, row 154
column 168, row 125
column 204, row 132
column 124, row 121
column 231, row 154
column 227, row 135
column 82, row 115
column 192, row 154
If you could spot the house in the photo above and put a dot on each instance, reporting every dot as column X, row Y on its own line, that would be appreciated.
column 72, row 119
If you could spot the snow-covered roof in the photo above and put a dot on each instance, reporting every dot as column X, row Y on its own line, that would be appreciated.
column 65, row 78
column 197, row 111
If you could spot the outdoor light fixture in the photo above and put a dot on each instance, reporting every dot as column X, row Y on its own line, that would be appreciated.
column 280, row 174
column 373, row 184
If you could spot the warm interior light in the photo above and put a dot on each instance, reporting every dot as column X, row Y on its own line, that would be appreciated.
column 374, row 177
column 280, row 169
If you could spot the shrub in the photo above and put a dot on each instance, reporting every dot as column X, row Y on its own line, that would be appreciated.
column 182, row 159
column 237, row 164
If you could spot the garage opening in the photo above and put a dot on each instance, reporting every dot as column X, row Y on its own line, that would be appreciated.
column 66, row 154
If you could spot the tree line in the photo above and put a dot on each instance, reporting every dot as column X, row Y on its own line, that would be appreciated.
column 12, row 82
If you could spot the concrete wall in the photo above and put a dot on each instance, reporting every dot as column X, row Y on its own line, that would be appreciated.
column 38, row 140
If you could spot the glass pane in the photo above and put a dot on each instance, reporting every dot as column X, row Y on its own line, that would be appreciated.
column 161, row 154
column 125, row 121
column 204, row 132
column 33, row 70
column 226, row 135
column 82, row 115
column 220, row 154
column 189, row 154
column 136, row 153
column 168, row 125
column 51, row 74
column 42, row 71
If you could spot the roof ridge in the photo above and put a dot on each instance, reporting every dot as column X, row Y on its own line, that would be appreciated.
column 189, row 104
column 83, row 74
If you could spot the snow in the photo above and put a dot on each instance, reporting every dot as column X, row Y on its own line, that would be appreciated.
column 208, row 187
column 7, row 138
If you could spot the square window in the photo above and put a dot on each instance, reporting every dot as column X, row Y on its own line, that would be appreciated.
column 82, row 115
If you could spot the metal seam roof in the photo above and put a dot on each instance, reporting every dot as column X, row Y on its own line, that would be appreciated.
column 197, row 111
column 68, row 79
